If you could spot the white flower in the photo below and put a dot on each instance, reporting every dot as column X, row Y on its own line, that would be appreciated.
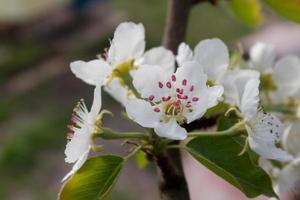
column 211, row 54
column 264, row 129
column 286, row 76
column 234, row 82
column 127, row 45
column 171, row 98
column 78, row 147
column 125, row 55
column 262, row 57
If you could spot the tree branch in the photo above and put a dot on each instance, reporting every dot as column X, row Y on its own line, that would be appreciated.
column 176, row 23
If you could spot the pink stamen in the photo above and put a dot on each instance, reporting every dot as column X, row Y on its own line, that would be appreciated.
column 173, row 78
column 192, row 88
column 166, row 98
column 160, row 84
column 176, row 103
column 188, row 105
column 73, row 119
column 168, row 84
column 70, row 127
column 180, row 91
column 156, row 109
column 184, row 82
column 182, row 96
column 151, row 97
column 195, row 99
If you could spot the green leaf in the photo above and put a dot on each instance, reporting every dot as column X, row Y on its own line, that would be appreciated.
column 94, row 180
column 221, row 156
column 248, row 11
column 141, row 159
column 287, row 8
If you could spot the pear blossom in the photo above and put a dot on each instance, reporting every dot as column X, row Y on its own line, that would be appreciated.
column 211, row 54
column 264, row 129
column 77, row 149
column 262, row 57
column 125, row 54
column 170, row 100
column 234, row 83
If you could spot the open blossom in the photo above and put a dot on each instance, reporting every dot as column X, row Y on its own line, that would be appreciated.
column 83, row 126
column 211, row 54
column 264, row 129
column 171, row 99
column 124, row 55
column 234, row 82
column 284, row 72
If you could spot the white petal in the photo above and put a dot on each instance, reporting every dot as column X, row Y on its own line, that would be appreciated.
column 268, row 150
column 162, row 57
column 97, row 103
column 250, row 99
column 298, row 111
column 192, row 71
column 234, row 84
column 118, row 91
column 77, row 165
column 208, row 98
column 79, row 144
column 146, row 81
column 93, row 72
column 213, row 55
column 170, row 130
column 289, row 177
column 286, row 75
column 142, row 113
column 184, row 54
column 291, row 139
column 128, row 43
column 214, row 94
column 265, row 130
column 262, row 57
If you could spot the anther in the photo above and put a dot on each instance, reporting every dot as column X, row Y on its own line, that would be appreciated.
column 166, row 98
column 195, row 99
column 173, row 78
column 192, row 88
column 188, row 105
column 180, row 91
column 160, row 84
column 184, row 81
column 156, row 109
column 151, row 97
column 168, row 84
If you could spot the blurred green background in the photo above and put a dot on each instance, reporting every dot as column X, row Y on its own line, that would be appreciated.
column 38, row 91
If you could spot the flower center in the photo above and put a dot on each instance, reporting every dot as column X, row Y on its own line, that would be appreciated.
column 179, row 100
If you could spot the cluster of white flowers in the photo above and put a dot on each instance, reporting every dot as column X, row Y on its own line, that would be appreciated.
column 157, row 95
column 282, row 87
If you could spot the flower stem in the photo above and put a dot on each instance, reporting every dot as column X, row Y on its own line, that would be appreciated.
column 133, row 152
column 234, row 130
